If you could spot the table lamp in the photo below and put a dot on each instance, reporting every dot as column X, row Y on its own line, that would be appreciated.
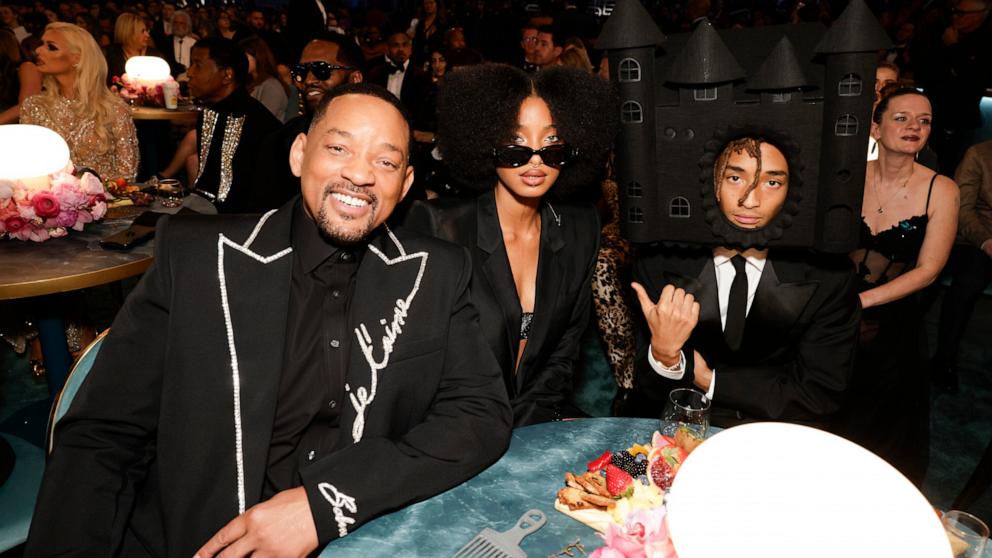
column 30, row 154
column 776, row 490
column 147, row 70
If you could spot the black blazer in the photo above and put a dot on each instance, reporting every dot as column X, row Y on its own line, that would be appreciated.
column 797, row 356
column 169, row 435
column 542, row 384
column 415, row 89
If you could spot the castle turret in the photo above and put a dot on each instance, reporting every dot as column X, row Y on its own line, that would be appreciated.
column 705, row 69
column 630, row 36
column 849, row 48
column 781, row 78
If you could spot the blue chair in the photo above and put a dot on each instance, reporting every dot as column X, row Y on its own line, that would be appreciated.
column 20, row 491
column 72, row 384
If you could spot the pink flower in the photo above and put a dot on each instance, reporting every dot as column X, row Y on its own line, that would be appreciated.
column 46, row 204
column 99, row 210
column 6, row 189
column 67, row 218
column 644, row 535
column 90, row 184
column 14, row 225
column 606, row 552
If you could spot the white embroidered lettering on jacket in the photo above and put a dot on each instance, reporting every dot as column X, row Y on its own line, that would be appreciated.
column 362, row 397
column 340, row 503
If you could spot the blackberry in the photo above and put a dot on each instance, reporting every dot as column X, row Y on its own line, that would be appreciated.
column 625, row 461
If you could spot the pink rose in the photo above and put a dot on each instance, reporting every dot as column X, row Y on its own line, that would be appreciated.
column 70, row 194
column 37, row 234
column 606, row 552
column 6, row 189
column 14, row 225
column 67, row 218
column 45, row 204
column 90, row 184
column 99, row 210
column 644, row 535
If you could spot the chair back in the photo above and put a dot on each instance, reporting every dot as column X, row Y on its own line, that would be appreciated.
column 73, row 381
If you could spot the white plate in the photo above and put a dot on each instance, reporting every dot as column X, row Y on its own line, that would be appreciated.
column 774, row 490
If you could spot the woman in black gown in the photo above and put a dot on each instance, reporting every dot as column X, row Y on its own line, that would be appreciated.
column 909, row 221
column 526, row 142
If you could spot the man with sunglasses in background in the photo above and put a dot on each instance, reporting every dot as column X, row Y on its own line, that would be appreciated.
column 329, row 60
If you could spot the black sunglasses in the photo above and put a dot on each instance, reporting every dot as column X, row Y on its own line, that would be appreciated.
column 320, row 70
column 514, row 156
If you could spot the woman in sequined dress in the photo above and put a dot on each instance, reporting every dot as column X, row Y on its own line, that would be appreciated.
column 909, row 221
column 76, row 103
column 540, row 139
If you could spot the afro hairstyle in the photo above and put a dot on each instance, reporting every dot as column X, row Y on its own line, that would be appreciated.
column 478, row 109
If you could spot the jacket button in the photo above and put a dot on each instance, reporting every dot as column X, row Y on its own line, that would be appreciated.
column 335, row 343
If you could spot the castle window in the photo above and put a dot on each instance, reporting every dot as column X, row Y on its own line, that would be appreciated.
column 707, row 94
column 849, row 86
column 781, row 97
column 634, row 190
column 847, row 125
column 629, row 70
column 630, row 113
column 635, row 215
column 678, row 208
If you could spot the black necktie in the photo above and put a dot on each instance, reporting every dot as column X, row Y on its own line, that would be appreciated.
column 736, row 305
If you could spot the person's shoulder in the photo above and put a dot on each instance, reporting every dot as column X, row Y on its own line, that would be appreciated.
column 191, row 229
column 414, row 240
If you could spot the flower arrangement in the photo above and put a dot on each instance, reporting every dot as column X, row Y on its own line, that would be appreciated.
column 39, row 214
column 141, row 93
column 643, row 535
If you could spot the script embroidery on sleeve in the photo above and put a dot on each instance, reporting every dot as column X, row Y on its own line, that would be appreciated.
column 339, row 501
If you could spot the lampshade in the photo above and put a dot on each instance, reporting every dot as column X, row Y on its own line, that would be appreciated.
column 147, row 68
column 30, row 152
column 774, row 490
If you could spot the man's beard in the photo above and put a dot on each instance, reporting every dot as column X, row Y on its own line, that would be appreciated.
column 337, row 232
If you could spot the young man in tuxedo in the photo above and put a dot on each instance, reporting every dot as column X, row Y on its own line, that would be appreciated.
column 767, row 334
column 273, row 383
column 398, row 74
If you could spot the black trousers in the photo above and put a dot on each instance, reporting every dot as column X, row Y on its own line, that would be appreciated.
column 971, row 272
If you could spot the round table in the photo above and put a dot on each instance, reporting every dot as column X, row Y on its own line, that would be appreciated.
column 185, row 113
column 77, row 261
column 527, row 476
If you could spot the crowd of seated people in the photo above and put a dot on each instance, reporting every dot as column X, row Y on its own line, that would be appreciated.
column 261, row 76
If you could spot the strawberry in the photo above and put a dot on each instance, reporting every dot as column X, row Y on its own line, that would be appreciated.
column 618, row 482
column 121, row 182
column 596, row 464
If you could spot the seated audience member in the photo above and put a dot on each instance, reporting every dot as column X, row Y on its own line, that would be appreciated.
column 224, row 149
column 429, row 26
column 457, row 50
column 20, row 77
column 327, row 61
column 528, row 45
column 768, row 334
column 179, row 44
column 131, row 38
column 575, row 55
column 541, row 137
column 970, row 264
column 77, row 104
column 264, row 85
column 328, row 430
column 547, row 48
column 396, row 73
column 909, row 220
column 8, row 17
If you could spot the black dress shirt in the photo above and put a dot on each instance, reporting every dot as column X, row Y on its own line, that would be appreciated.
column 315, row 358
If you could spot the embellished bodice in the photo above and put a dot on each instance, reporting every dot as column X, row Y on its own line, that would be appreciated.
column 885, row 255
column 112, row 158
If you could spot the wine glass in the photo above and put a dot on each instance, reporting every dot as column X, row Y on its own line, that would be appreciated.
column 687, row 409
column 967, row 533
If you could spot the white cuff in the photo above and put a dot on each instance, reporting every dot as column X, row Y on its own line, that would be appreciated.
column 709, row 392
column 674, row 373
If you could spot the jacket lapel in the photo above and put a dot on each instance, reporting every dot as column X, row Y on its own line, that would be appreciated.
column 498, row 279
column 777, row 305
column 254, row 279
column 550, row 274
column 386, row 286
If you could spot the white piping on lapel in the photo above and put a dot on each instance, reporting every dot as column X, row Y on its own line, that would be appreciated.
column 362, row 398
column 223, row 241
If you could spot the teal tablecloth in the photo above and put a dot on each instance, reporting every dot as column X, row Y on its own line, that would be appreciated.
column 527, row 476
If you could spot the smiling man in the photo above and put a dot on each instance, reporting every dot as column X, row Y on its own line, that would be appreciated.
column 273, row 383
column 767, row 334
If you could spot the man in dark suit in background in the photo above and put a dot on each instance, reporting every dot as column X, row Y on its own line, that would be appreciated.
column 398, row 74
column 767, row 334
column 273, row 383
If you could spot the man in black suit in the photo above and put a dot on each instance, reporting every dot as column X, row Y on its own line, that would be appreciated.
column 274, row 383
column 767, row 334
column 177, row 47
column 397, row 74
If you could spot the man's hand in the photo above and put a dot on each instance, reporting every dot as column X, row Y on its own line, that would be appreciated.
column 702, row 374
column 987, row 247
column 281, row 526
column 671, row 321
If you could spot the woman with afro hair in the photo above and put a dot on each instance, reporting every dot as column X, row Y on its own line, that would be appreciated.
column 526, row 142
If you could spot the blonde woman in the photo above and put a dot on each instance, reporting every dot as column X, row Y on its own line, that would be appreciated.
column 131, row 38
column 95, row 123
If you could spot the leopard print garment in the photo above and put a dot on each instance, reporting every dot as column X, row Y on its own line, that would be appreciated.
column 610, row 300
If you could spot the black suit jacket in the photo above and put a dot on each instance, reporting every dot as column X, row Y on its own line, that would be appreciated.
column 800, row 336
column 415, row 89
column 542, row 384
column 169, row 435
